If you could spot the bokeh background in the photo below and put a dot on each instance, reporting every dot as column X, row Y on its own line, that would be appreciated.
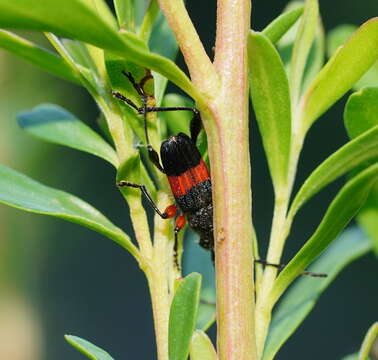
column 58, row 278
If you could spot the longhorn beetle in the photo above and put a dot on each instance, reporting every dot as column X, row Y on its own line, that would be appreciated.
column 187, row 175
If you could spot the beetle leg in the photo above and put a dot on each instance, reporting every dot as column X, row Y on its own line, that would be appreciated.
column 168, row 213
column 180, row 223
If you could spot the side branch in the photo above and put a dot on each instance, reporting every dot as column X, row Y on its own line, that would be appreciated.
column 201, row 69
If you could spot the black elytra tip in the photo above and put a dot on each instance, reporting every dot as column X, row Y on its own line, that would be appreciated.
column 178, row 154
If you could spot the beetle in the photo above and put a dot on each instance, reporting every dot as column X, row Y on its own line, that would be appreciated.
column 187, row 175
column 186, row 171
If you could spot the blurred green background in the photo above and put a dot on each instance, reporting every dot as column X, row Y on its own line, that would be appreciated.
column 58, row 278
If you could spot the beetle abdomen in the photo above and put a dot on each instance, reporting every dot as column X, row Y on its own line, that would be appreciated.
column 201, row 221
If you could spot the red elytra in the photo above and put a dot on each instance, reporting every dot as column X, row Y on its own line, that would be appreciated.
column 182, row 183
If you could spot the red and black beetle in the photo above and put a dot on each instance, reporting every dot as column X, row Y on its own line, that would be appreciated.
column 187, row 173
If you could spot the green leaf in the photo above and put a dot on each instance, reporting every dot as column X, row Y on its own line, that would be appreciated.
column 125, row 14
column 54, row 124
column 201, row 347
column 368, row 342
column 279, row 26
column 361, row 111
column 132, row 170
column 84, row 74
column 348, row 64
column 302, row 45
column 37, row 55
column 140, row 8
column 183, row 315
column 88, row 349
column 300, row 299
column 197, row 259
column 115, row 65
column 368, row 217
column 361, row 114
column 366, row 346
column 342, row 209
column 79, row 53
column 356, row 152
column 336, row 38
column 163, row 42
column 271, row 102
column 148, row 20
column 79, row 19
column 316, row 56
column 42, row 15
column 22, row 192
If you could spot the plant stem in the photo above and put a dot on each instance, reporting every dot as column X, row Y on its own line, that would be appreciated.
column 281, row 225
column 159, row 281
column 201, row 69
column 231, row 175
column 224, row 109
column 276, row 243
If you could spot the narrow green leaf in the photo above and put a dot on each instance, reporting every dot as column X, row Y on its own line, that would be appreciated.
column 91, row 351
column 361, row 111
column 271, row 102
column 368, row 218
column 279, row 26
column 131, row 171
column 360, row 115
column 197, row 259
column 140, row 8
column 101, row 9
column 79, row 19
column 37, row 55
column 79, row 53
column 41, row 15
column 183, row 315
column 302, row 45
column 125, row 14
column 148, row 20
column 201, row 347
column 336, row 38
column 115, row 65
column 54, row 124
column 22, row 192
column 316, row 56
column 342, row 209
column 348, row 64
column 163, row 42
column 84, row 74
column 368, row 342
column 356, row 152
column 300, row 299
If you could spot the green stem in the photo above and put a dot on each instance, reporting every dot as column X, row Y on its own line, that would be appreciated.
column 160, row 280
column 281, row 226
column 276, row 243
